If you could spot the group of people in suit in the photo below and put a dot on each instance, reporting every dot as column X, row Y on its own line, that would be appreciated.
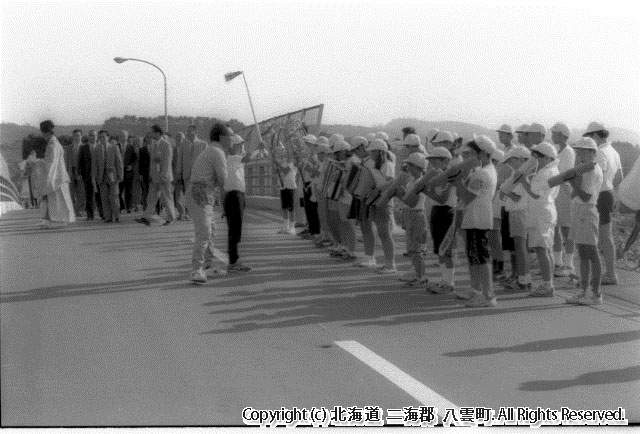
column 118, row 173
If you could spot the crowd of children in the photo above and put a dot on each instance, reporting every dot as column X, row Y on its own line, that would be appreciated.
column 489, row 197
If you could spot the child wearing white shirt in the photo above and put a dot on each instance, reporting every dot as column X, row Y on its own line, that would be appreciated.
column 585, row 225
column 541, row 213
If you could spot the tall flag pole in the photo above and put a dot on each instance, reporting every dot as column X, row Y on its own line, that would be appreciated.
column 230, row 76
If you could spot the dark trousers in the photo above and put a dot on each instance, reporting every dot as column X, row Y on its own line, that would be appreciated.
column 128, row 189
column 311, row 211
column 233, row 205
column 144, row 187
column 97, row 199
column 121, row 195
column 88, row 198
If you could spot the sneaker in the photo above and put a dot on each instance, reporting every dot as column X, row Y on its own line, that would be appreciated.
column 575, row 299
column 238, row 268
column 348, row 256
column 465, row 293
column 283, row 231
column 417, row 281
column 408, row 276
column 303, row 233
column 143, row 220
column 440, row 288
column 198, row 277
column 292, row 231
column 481, row 301
column 186, row 218
column 516, row 286
column 571, row 274
column 387, row 270
column 560, row 271
column 542, row 291
column 609, row 280
column 590, row 300
column 366, row 263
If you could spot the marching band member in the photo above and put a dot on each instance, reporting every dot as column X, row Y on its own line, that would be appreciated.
column 477, row 190
column 415, row 221
column 343, row 228
column 495, row 235
column 381, row 170
column 541, row 213
column 310, row 168
column 521, row 131
column 584, row 229
column 323, row 154
column 288, row 169
column 563, row 267
column 515, row 205
column 505, row 137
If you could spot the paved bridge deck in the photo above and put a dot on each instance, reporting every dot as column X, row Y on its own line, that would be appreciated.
column 99, row 326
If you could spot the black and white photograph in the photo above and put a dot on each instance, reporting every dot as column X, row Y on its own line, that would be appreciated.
column 372, row 214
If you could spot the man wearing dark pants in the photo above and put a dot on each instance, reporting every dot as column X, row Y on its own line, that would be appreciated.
column 84, row 170
column 233, row 201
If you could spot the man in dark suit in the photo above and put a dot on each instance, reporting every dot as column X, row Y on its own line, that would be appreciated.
column 123, row 138
column 130, row 159
column 71, row 153
column 107, row 173
column 144, row 161
column 84, row 170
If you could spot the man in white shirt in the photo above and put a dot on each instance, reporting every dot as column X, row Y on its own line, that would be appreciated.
column 289, row 172
column 233, row 201
column 563, row 267
column 609, row 160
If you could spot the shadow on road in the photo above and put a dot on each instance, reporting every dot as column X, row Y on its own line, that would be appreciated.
column 553, row 344
column 623, row 375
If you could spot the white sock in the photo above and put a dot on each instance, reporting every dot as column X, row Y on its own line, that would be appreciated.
column 292, row 225
column 557, row 258
column 286, row 223
column 449, row 274
column 568, row 259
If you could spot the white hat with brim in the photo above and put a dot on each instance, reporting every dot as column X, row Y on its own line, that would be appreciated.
column 546, row 149
column 310, row 139
column 562, row 128
column 417, row 159
column 371, row 137
column 536, row 128
column 498, row 155
column 322, row 140
column 505, row 129
column 485, row 143
column 382, row 135
column 440, row 152
column 358, row 141
column 412, row 140
column 377, row 145
column 443, row 136
column 236, row 139
column 593, row 128
column 517, row 152
column 341, row 145
column 522, row 128
column 585, row 143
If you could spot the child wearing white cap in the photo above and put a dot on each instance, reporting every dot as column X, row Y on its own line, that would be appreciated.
column 380, row 215
column 609, row 161
column 563, row 264
column 515, row 205
column 541, row 213
column 415, row 221
column 584, row 230
column 343, row 227
column 441, row 217
column 477, row 191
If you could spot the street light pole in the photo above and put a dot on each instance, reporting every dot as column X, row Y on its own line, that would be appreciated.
column 166, row 117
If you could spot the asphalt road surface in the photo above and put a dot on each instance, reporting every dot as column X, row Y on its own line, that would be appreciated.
column 100, row 327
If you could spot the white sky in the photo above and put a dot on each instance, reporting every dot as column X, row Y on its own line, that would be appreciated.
column 479, row 62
